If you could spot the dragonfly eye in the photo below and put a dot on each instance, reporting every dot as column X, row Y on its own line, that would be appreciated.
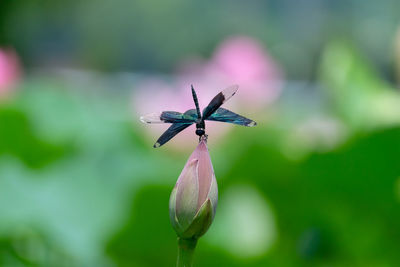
column 200, row 132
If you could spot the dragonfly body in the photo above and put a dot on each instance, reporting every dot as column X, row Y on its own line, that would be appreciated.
column 212, row 112
column 200, row 124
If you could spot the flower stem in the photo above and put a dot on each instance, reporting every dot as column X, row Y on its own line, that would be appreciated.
column 185, row 252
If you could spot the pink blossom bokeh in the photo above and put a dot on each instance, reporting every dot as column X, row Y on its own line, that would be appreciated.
column 10, row 71
column 237, row 60
column 243, row 61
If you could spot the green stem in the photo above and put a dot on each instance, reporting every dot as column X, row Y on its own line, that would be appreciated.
column 185, row 252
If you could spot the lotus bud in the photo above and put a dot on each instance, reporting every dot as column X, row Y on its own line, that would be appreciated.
column 193, row 200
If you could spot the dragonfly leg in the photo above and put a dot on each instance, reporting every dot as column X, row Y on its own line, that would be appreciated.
column 203, row 137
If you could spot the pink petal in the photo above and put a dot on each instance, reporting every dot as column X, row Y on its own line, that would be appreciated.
column 187, row 193
column 205, row 171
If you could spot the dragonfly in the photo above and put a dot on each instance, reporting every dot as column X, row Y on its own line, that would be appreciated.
column 213, row 112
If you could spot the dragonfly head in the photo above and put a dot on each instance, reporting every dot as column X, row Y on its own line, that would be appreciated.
column 200, row 132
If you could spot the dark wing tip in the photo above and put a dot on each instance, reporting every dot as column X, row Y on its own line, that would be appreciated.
column 252, row 124
column 156, row 145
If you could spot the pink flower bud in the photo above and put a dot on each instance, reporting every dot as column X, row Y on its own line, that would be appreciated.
column 194, row 198
column 9, row 71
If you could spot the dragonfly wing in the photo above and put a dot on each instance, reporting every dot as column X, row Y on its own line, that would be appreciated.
column 219, row 99
column 173, row 130
column 177, row 117
column 225, row 115
column 151, row 118
column 169, row 117
column 191, row 114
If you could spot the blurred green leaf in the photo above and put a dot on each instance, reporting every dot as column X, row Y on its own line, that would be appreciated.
column 17, row 138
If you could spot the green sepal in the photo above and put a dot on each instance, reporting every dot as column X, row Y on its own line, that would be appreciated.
column 201, row 222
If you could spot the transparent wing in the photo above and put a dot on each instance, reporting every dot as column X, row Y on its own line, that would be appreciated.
column 152, row 118
column 219, row 99
column 225, row 115
column 173, row 130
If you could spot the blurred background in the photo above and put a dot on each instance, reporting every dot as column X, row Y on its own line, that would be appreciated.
column 316, row 183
